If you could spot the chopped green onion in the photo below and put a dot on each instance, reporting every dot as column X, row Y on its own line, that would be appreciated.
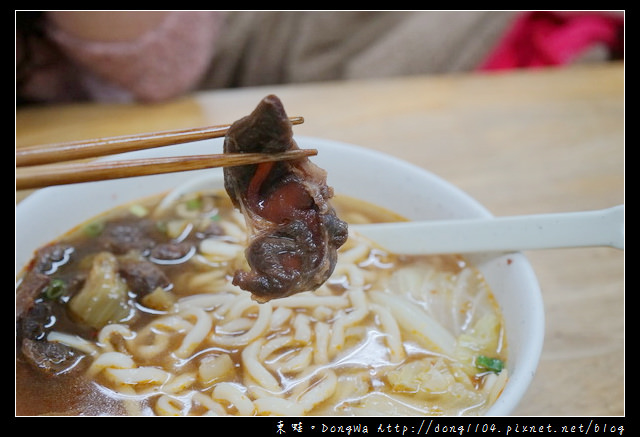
column 55, row 289
column 193, row 204
column 94, row 229
column 492, row 364
column 138, row 210
column 215, row 218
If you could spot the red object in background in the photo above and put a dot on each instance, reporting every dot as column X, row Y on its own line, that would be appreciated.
column 543, row 38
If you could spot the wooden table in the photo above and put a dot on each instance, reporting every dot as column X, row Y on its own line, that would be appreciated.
column 523, row 142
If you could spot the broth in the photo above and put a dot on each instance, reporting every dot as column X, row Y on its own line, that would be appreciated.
column 386, row 334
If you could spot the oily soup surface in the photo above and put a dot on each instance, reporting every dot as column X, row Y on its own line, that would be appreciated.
column 387, row 334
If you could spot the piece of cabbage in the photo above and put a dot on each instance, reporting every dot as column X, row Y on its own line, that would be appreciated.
column 104, row 297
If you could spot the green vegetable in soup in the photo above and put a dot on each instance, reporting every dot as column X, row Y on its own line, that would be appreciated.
column 94, row 229
column 491, row 364
column 138, row 210
column 194, row 203
column 56, row 289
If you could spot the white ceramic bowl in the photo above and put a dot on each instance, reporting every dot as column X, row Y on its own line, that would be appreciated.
column 352, row 170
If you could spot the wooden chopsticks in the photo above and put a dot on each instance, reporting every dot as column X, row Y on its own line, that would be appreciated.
column 39, row 166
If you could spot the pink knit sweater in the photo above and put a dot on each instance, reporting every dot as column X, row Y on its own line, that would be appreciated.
column 163, row 63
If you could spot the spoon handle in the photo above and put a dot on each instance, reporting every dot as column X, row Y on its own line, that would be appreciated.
column 542, row 231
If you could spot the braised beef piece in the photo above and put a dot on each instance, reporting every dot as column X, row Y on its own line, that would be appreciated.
column 47, row 261
column 51, row 358
column 142, row 276
column 294, row 231
column 123, row 235
column 167, row 252
column 32, row 329
column 34, row 326
column 50, row 258
column 28, row 290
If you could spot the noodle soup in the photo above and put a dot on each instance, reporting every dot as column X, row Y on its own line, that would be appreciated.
column 387, row 334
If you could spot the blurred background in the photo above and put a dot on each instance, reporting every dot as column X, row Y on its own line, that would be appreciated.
column 150, row 56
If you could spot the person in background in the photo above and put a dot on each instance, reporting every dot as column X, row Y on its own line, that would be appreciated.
column 153, row 56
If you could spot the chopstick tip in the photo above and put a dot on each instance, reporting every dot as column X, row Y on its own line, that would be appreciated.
column 297, row 120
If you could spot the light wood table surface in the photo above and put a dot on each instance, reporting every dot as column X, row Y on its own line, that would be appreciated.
column 518, row 142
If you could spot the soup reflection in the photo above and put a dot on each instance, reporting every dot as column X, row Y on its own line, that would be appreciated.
column 134, row 313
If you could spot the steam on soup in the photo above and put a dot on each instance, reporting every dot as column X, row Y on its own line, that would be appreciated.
column 135, row 313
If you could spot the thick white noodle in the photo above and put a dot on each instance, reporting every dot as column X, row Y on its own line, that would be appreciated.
column 153, row 339
column 109, row 334
column 206, row 301
column 320, row 391
column 197, row 334
column 180, row 383
column 219, row 249
column 73, row 341
column 321, row 345
column 170, row 406
column 279, row 317
column 393, row 337
column 213, row 407
column 302, row 328
column 116, row 360
column 308, row 300
column 259, row 327
column 295, row 362
column 231, row 394
column 138, row 375
column 347, row 319
column 234, row 326
column 273, row 345
column 274, row 406
column 254, row 367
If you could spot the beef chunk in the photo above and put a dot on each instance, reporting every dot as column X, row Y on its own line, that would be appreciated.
column 50, row 258
column 142, row 276
column 29, row 289
column 122, row 236
column 168, row 252
column 33, row 324
column 50, row 358
column 294, row 231
column 32, row 345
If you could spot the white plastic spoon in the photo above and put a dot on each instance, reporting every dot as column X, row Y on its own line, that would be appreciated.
column 543, row 231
